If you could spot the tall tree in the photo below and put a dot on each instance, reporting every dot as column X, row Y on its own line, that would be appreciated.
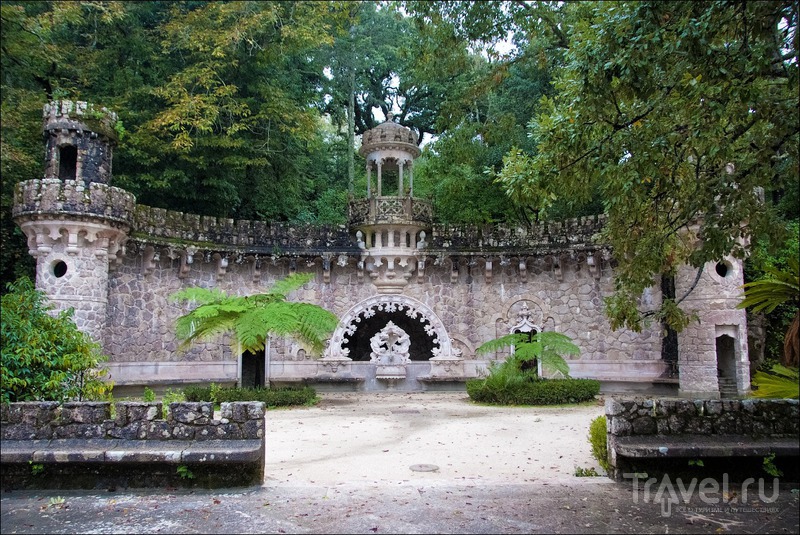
column 683, row 115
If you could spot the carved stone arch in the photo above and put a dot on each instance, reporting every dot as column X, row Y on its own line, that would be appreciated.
column 413, row 309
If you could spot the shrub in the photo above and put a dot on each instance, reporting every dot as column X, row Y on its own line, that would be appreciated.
column 598, row 438
column 45, row 357
column 506, row 388
column 272, row 397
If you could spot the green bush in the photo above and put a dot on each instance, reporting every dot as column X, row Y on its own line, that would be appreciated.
column 598, row 438
column 508, row 388
column 44, row 357
column 272, row 397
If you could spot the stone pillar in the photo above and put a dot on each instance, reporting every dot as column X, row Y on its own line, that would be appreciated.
column 380, row 177
column 369, row 177
column 410, row 178
column 400, row 178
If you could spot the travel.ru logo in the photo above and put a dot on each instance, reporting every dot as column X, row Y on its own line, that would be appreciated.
column 716, row 497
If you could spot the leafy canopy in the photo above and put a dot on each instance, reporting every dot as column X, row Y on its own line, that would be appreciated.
column 253, row 318
column 681, row 115
column 46, row 357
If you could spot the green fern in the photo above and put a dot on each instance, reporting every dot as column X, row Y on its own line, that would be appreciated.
column 780, row 287
column 254, row 318
column 545, row 346
column 779, row 382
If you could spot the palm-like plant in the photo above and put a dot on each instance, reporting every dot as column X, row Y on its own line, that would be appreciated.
column 546, row 347
column 254, row 318
column 778, row 288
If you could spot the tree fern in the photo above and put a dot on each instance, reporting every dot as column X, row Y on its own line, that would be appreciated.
column 548, row 347
column 253, row 318
column 766, row 294
column 779, row 382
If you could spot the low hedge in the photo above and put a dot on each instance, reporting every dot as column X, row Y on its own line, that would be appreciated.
column 536, row 392
column 272, row 397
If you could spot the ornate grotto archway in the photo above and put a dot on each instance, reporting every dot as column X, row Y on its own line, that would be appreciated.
column 429, row 338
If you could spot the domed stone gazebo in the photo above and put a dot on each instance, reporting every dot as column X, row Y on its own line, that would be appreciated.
column 390, row 229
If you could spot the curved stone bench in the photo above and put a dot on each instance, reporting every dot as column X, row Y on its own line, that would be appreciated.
column 77, row 445
column 661, row 435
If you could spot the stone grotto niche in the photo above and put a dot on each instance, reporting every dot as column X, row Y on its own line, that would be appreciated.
column 427, row 335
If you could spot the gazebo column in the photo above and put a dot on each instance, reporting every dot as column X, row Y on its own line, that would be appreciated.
column 410, row 179
column 369, row 177
column 380, row 176
column 400, row 178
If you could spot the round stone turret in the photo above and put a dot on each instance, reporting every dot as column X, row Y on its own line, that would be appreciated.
column 75, row 222
column 79, row 141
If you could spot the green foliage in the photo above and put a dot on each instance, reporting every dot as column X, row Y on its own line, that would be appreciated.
column 507, row 388
column 681, row 116
column 586, row 472
column 769, row 466
column 779, row 382
column 36, row 468
column 45, row 357
column 546, row 346
column 148, row 395
column 272, row 397
column 515, row 381
column 781, row 287
column 598, row 438
column 184, row 472
column 255, row 317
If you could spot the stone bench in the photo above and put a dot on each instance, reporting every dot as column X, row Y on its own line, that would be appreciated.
column 664, row 435
column 77, row 445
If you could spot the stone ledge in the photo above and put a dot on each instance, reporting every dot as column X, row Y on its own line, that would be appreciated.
column 694, row 446
column 430, row 379
column 131, row 451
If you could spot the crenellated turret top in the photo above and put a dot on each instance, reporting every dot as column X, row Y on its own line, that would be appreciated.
column 79, row 139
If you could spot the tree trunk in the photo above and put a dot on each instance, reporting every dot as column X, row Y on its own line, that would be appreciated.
column 791, row 343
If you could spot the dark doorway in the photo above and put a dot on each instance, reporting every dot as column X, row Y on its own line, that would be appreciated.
column 67, row 162
column 422, row 343
column 532, row 364
column 726, row 365
column 669, row 343
column 253, row 370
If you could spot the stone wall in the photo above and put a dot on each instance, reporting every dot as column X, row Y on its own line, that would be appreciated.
column 749, row 417
column 181, row 229
column 474, row 305
column 132, row 421
column 688, row 437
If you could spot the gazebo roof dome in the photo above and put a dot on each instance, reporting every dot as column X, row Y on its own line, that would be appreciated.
column 387, row 136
